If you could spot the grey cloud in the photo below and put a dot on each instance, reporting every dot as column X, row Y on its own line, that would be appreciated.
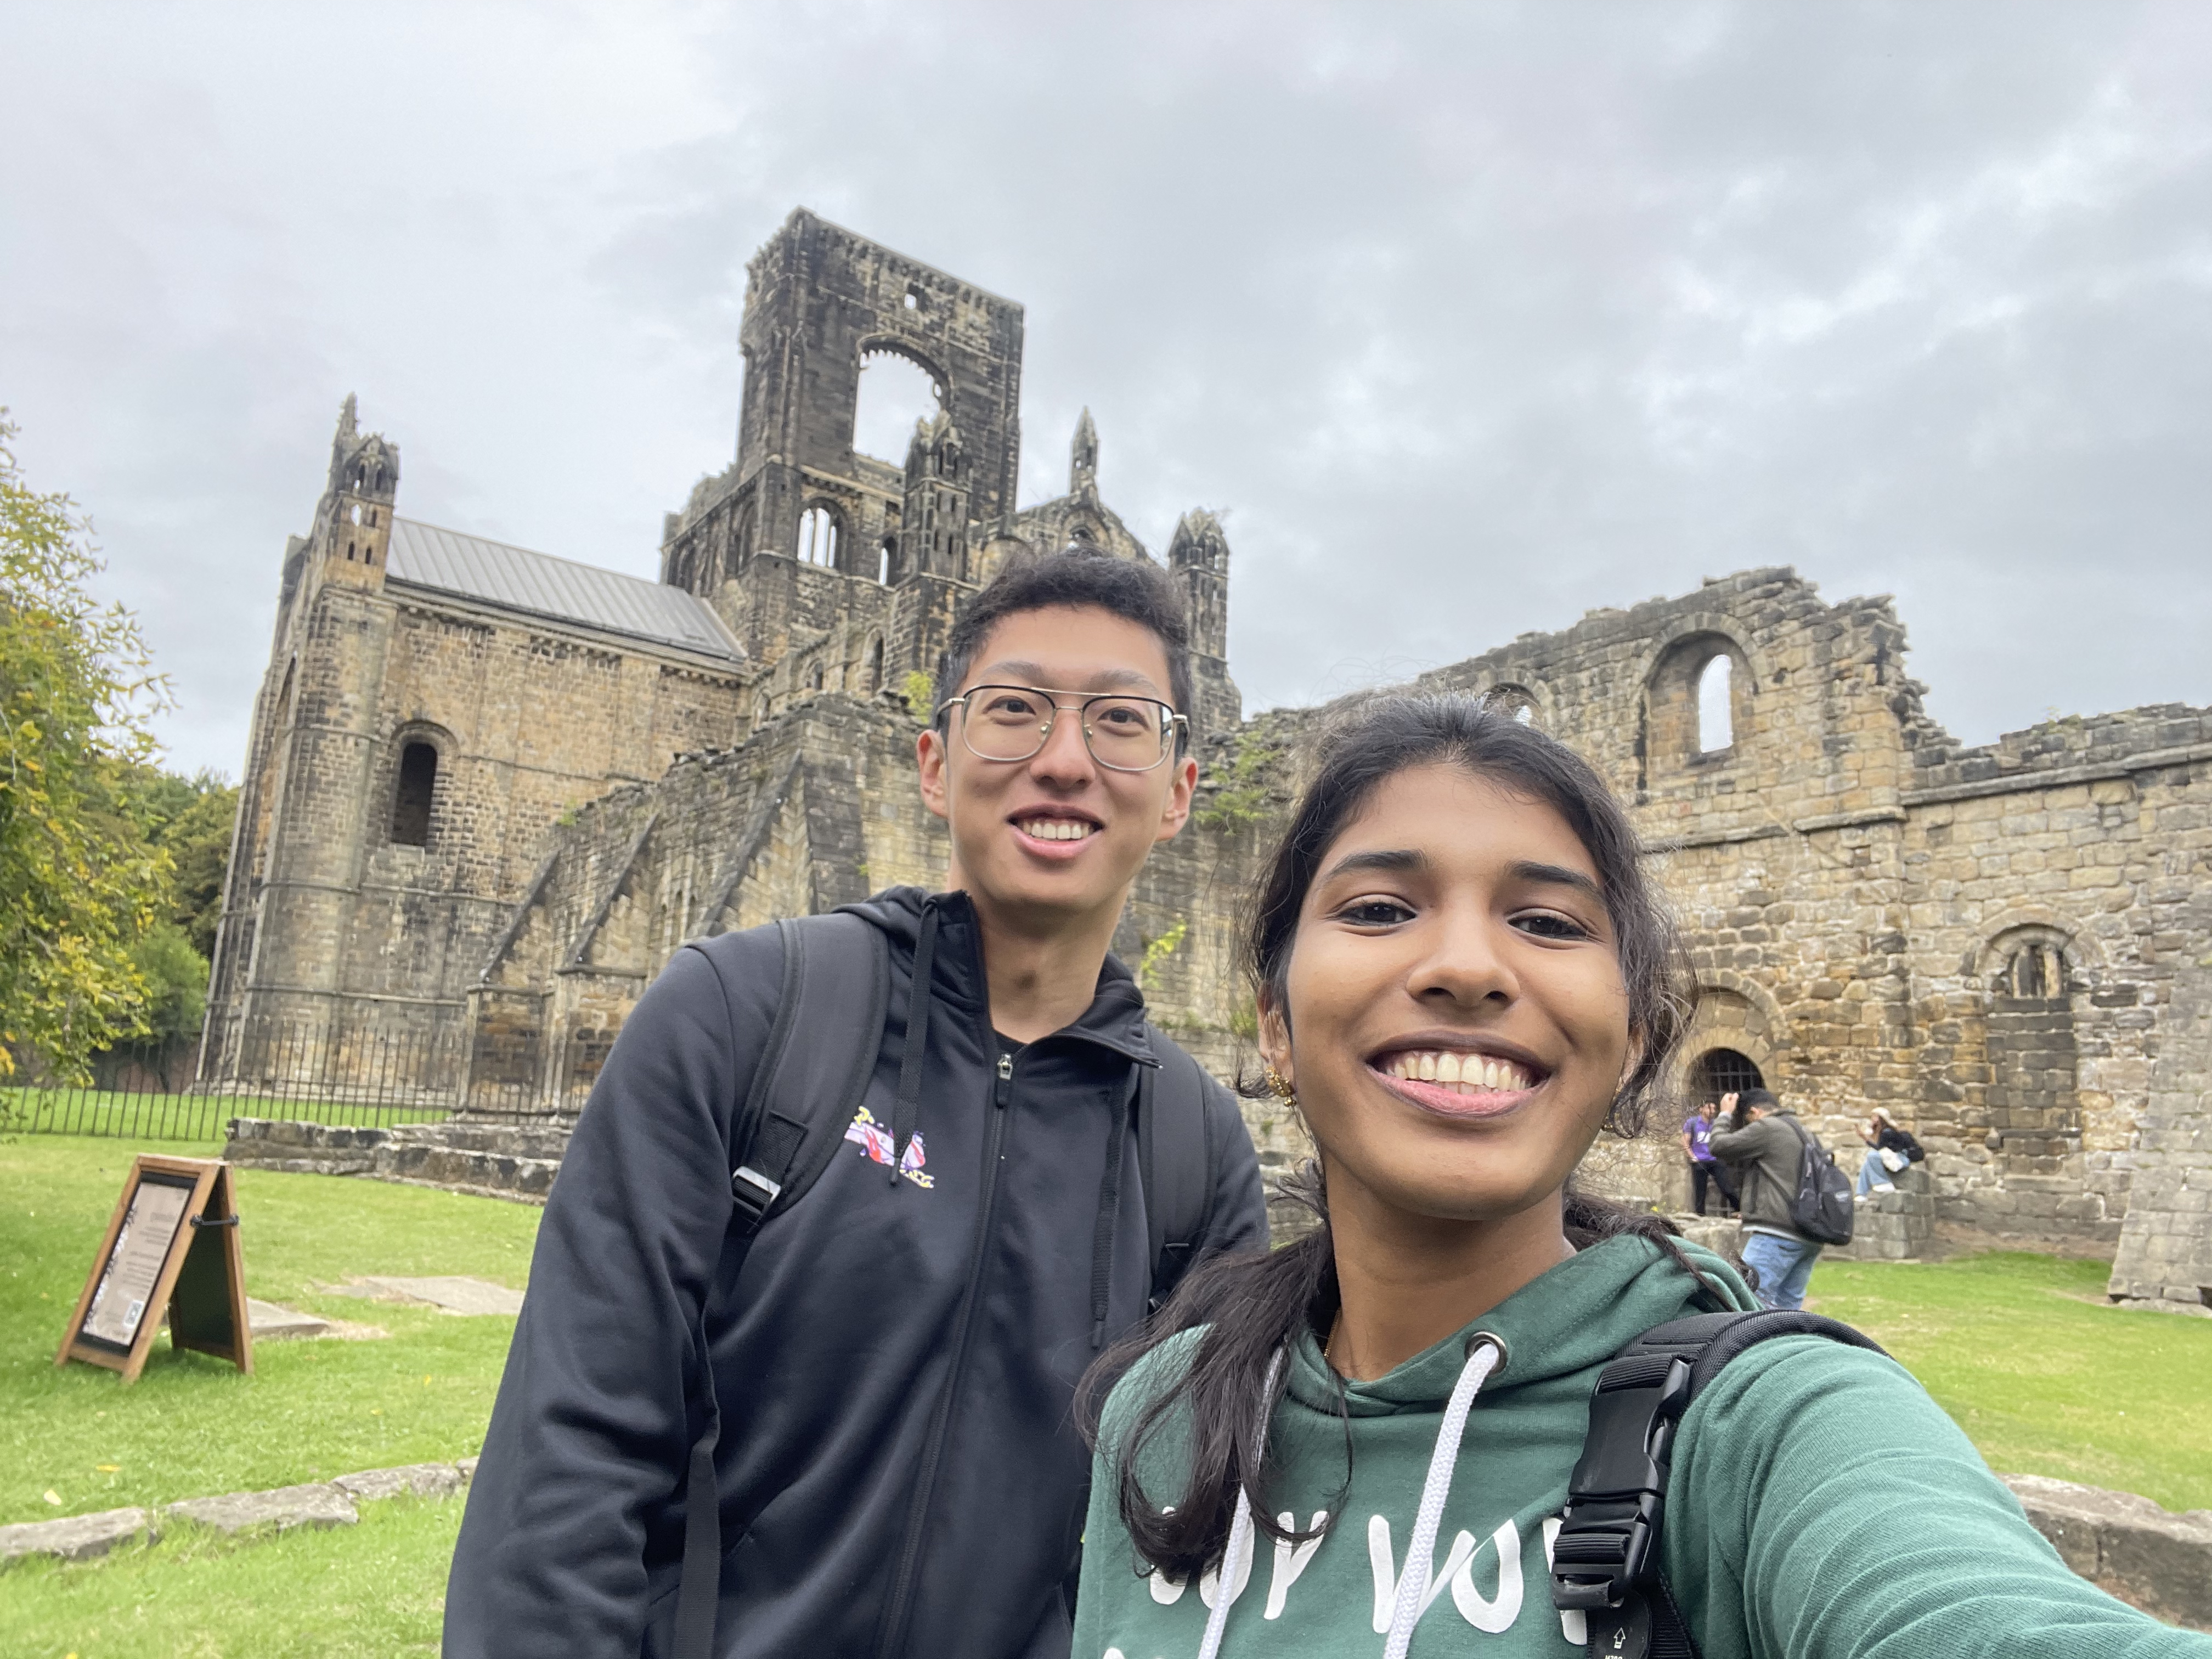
column 1473, row 319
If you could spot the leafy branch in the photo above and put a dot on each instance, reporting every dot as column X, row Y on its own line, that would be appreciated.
column 1158, row 951
column 1243, row 795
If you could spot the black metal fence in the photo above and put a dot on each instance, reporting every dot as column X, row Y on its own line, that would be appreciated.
column 302, row 1070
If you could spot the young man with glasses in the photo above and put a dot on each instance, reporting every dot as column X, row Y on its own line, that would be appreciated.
column 893, row 1355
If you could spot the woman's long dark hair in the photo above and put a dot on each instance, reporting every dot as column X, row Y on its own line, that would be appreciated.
column 1250, row 1305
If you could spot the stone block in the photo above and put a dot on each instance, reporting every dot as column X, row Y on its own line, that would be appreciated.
column 320, row 1503
column 417, row 1479
column 453, row 1294
column 2149, row 1557
column 78, row 1537
column 272, row 1323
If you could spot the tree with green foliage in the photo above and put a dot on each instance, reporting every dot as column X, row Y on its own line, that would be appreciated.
column 81, row 885
column 190, row 819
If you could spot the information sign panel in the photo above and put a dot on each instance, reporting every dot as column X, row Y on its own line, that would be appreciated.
column 172, row 1246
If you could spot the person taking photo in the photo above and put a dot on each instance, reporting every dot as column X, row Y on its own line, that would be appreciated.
column 875, row 1385
column 1363, row 1441
column 1761, row 1140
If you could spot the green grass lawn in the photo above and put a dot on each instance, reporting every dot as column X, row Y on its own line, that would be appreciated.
column 2020, row 1349
column 2045, row 1377
column 351, row 1593
column 194, row 1425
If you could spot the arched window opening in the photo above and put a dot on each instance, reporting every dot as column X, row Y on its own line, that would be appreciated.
column 1720, row 1071
column 411, row 801
column 896, row 392
column 884, row 561
column 814, row 680
column 875, row 680
column 912, row 299
column 349, row 552
column 1716, row 706
column 356, row 513
column 2036, row 973
column 817, row 537
column 760, row 709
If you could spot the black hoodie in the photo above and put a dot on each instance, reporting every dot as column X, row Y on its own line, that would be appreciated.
column 895, row 1357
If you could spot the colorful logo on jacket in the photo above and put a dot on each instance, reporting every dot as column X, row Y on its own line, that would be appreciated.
column 872, row 1138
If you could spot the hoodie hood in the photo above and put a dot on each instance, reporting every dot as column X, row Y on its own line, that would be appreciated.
column 1115, row 1017
column 1437, row 1489
column 1561, row 1325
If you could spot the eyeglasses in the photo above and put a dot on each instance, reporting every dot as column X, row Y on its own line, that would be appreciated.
column 1013, row 722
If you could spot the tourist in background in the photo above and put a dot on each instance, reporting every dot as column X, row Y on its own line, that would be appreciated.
column 1890, row 1152
column 1704, row 1168
column 1318, row 1451
column 1762, row 1139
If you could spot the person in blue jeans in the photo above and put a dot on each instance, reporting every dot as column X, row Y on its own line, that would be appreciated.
column 1760, row 1138
column 1882, row 1136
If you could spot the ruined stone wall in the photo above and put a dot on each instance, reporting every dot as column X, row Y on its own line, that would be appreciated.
column 333, row 925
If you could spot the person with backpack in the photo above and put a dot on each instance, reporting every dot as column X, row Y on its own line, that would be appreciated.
column 858, row 1197
column 1769, row 1150
column 1890, row 1151
column 1475, row 1410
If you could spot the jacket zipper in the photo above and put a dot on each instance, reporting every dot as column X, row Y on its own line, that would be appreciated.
column 895, row 1620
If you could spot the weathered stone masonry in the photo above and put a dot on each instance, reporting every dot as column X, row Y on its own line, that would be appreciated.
column 2008, row 947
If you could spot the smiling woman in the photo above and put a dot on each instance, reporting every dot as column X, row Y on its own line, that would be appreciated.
column 1463, row 978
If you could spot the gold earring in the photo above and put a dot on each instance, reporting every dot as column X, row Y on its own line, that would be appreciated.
column 1277, row 1086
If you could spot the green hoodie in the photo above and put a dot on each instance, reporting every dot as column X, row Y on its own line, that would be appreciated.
column 1820, row 1504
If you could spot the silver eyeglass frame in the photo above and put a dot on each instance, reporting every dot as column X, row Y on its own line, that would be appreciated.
column 1172, row 732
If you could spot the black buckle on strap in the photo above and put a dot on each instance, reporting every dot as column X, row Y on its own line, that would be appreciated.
column 753, row 1193
column 1603, row 1551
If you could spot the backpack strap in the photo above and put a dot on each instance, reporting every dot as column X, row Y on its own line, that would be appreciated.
column 1606, row 1559
column 812, row 1073
column 1175, row 1161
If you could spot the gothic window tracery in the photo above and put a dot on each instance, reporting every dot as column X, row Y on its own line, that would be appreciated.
column 817, row 537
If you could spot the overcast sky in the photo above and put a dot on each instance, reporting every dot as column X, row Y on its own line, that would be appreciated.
column 1471, row 317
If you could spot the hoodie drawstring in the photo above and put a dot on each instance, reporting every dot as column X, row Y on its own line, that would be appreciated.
column 1109, row 1199
column 1234, row 1558
column 1483, row 1358
column 906, row 1107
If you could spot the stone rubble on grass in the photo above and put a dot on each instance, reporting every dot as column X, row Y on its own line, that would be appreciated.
column 2127, row 1546
column 79, row 1537
column 318, row 1503
column 272, row 1323
column 454, row 1294
column 421, row 1480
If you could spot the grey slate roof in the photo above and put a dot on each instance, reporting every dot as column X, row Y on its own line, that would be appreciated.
column 539, row 585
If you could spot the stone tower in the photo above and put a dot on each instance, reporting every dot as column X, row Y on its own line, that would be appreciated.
column 840, row 572
column 1198, row 557
column 433, row 704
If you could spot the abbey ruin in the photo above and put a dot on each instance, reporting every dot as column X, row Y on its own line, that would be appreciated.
column 489, row 792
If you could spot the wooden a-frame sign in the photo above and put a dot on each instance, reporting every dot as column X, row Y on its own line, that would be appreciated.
column 172, row 1244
